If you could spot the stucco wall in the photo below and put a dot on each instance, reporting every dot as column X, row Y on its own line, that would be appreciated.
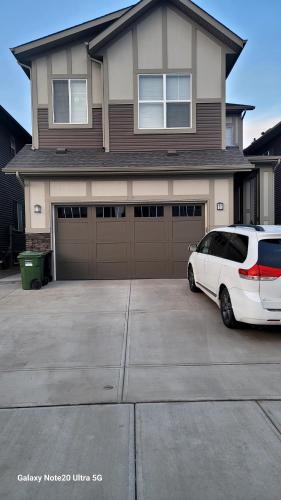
column 47, row 192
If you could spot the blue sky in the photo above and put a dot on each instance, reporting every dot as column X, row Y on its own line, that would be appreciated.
column 256, row 78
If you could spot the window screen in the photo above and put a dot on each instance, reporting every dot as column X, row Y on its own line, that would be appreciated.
column 70, row 101
column 61, row 101
column 164, row 101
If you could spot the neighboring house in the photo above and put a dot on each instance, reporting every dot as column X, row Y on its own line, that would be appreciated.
column 269, row 145
column 12, row 138
column 129, row 162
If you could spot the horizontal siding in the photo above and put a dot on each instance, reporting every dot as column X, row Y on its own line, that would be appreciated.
column 70, row 137
column 122, row 137
column 10, row 188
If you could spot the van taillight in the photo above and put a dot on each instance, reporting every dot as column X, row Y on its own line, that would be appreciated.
column 260, row 273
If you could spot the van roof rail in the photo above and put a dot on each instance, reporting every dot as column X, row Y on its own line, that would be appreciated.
column 249, row 226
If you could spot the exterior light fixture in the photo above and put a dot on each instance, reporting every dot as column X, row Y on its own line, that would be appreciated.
column 220, row 206
column 37, row 209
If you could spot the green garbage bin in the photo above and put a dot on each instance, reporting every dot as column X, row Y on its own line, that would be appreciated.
column 33, row 269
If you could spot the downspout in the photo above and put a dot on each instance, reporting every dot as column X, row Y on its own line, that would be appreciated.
column 19, row 179
column 102, row 89
column 277, row 165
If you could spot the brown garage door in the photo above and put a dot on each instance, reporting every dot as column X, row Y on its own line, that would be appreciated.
column 119, row 242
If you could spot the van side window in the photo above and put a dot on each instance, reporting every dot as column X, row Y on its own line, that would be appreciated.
column 237, row 248
column 204, row 246
column 219, row 244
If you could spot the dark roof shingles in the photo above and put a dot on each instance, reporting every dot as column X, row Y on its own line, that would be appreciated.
column 90, row 158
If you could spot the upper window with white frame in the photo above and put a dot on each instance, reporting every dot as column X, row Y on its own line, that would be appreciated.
column 165, row 101
column 70, row 102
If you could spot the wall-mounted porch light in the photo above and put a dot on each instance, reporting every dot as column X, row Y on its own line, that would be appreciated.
column 37, row 209
column 220, row 206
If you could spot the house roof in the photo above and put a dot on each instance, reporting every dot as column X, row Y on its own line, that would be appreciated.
column 25, row 52
column 232, row 108
column 79, row 161
column 13, row 124
column 98, row 32
column 264, row 139
column 197, row 14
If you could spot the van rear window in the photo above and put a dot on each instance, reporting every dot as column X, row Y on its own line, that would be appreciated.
column 270, row 253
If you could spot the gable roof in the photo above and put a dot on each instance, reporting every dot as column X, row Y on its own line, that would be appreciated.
column 10, row 121
column 79, row 161
column 25, row 52
column 200, row 16
column 264, row 139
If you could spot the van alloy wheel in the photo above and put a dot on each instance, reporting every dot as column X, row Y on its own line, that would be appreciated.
column 191, row 280
column 227, row 313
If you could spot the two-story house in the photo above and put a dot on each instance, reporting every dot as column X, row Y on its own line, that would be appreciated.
column 134, row 150
column 12, row 240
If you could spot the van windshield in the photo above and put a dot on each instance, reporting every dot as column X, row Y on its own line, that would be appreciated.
column 270, row 253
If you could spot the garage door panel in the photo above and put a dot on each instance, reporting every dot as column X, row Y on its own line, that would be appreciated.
column 180, row 251
column 113, row 232
column 74, row 231
column 107, row 252
column 152, row 270
column 112, row 270
column 73, row 271
column 179, row 269
column 73, row 252
column 152, row 251
column 187, row 231
column 147, row 231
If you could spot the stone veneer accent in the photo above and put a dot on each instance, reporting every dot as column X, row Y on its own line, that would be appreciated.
column 38, row 241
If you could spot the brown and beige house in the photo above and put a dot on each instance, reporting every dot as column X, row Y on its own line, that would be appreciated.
column 135, row 152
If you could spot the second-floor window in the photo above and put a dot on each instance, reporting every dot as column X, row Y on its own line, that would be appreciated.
column 164, row 101
column 229, row 135
column 70, row 103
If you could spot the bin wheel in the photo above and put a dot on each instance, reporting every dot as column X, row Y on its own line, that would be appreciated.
column 36, row 284
column 45, row 281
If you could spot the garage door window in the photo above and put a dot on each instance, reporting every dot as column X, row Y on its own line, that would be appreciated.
column 110, row 212
column 149, row 211
column 72, row 212
column 187, row 210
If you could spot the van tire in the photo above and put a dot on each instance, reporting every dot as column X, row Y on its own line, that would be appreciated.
column 191, row 281
column 227, row 313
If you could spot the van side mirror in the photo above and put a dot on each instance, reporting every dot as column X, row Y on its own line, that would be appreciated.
column 192, row 247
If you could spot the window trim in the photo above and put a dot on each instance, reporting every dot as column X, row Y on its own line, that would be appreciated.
column 78, row 124
column 164, row 102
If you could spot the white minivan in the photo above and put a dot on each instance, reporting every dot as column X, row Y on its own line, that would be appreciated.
column 239, row 267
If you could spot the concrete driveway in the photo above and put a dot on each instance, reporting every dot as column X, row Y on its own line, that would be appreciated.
column 139, row 341
column 197, row 419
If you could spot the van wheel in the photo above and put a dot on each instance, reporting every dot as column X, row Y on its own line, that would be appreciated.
column 227, row 313
column 191, row 281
